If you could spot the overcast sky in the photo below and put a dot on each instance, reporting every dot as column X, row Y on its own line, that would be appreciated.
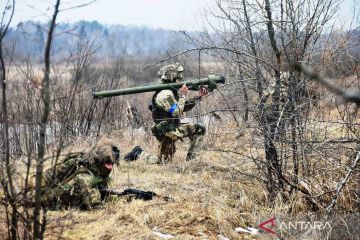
column 169, row 14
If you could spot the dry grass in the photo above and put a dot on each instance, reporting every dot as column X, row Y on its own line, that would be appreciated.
column 208, row 199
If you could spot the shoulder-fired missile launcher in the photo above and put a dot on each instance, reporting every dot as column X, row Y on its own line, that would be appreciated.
column 210, row 82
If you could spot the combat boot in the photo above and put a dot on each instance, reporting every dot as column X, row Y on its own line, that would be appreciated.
column 134, row 154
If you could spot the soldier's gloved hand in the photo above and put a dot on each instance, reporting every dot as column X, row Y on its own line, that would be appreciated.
column 134, row 154
column 203, row 91
column 116, row 154
column 184, row 90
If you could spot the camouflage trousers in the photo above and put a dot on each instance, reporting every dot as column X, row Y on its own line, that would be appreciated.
column 195, row 132
column 79, row 192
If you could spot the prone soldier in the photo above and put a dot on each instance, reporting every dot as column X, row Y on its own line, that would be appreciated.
column 77, row 180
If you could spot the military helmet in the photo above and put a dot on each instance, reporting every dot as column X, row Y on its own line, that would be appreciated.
column 171, row 72
column 104, row 154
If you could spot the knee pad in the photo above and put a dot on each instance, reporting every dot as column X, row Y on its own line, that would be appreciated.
column 200, row 129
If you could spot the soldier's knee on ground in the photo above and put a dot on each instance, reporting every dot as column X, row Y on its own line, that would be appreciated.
column 149, row 158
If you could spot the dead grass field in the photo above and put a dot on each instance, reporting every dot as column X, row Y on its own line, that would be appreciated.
column 209, row 197
column 204, row 202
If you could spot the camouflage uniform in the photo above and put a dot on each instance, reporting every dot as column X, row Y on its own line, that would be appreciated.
column 75, row 181
column 167, row 107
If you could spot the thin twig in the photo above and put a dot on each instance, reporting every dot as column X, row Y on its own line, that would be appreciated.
column 342, row 184
column 209, row 48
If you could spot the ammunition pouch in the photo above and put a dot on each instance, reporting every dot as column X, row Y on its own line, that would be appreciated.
column 160, row 129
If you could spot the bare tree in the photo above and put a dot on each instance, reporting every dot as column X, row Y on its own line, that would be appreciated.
column 39, row 227
column 261, row 40
column 6, row 176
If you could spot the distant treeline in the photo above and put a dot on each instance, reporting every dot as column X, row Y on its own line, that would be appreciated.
column 108, row 41
column 26, row 41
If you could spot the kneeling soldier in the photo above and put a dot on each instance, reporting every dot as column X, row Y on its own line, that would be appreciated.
column 167, row 107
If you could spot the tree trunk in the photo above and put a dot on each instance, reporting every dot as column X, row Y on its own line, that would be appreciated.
column 38, row 234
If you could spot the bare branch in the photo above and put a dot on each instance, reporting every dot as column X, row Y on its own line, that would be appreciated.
column 350, row 95
column 209, row 48
column 342, row 184
column 77, row 6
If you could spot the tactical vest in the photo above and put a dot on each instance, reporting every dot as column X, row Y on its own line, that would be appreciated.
column 159, row 114
column 66, row 169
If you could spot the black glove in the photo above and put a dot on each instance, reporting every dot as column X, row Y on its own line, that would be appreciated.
column 134, row 154
column 116, row 154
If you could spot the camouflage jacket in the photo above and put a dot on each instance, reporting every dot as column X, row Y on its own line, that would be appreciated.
column 73, row 183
